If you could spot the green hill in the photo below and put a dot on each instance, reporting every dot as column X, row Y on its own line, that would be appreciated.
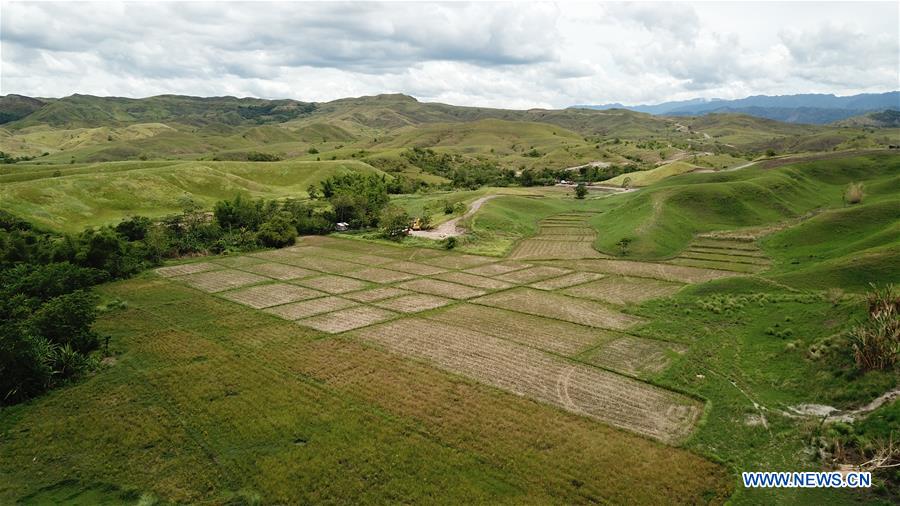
column 92, row 195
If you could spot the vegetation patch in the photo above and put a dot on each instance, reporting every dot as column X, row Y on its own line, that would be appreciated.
column 442, row 288
column 578, row 388
column 624, row 290
column 560, row 307
column 347, row 319
column 415, row 268
column 374, row 294
column 542, row 333
column 278, row 271
column 333, row 284
column 465, row 278
column 497, row 268
column 308, row 308
column 634, row 356
column 219, row 281
column 413, row 303
column 533, row 274
column 181, row 270
column 274, row 294
column 378, row 275
column 566, row 280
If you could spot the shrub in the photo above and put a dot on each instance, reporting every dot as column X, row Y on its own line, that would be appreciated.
column 580, row 191
column 393, row 222
column 277, row 232
column 876, row 341
column 450, row 243
column 853, row 194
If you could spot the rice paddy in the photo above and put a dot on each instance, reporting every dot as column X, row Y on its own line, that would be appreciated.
column 729, row 253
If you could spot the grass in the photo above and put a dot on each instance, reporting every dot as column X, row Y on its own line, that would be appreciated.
column 648, row 177
column 733, row 361
column 277, row 412
column 661, row 220
column 93, row 195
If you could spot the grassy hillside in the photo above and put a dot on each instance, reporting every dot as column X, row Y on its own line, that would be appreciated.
column 660, row 220
column 92, row 195
column 648, row 177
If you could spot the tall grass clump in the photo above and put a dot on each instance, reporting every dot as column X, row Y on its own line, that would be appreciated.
column 853, row 194
column 876, row 341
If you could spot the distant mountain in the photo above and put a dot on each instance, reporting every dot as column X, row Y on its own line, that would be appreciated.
column 805, row 108
column 13, row 107
column 90, row 111
column 883, row 119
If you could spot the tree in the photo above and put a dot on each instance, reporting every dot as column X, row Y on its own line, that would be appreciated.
column 394, row 222
column 278, row 232
column 580, row 191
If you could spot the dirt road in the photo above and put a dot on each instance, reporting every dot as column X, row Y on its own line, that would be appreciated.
column 451, row 228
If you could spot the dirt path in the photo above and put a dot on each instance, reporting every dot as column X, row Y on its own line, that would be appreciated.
column 451, row 228
column 831, row 414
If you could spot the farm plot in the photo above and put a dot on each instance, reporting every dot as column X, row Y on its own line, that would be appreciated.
column 312, row 307
column 609, row 397
column 551, row 230
column 457, row 261
column 379, row 275
column 575, row 278
column 273, row 294
column 278, row 271
column 341, row 254
column 347, row 319
column 560, row 307
column 533, row 274
column 725, row 254
column 442, row 288
column 238, row 262
column 333, row 284
column 329, row 265
column 667, row 272
column 219, row 281
column 497, row 268
column 465, row 278
column 374, row 294
column 414, row 268
column 181, row 270
column 413, row 303
column 567, row 247
column 549, row 335
column 624, row 290
column 633, row 355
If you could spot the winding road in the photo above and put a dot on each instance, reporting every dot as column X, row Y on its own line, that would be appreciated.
column 451, row 228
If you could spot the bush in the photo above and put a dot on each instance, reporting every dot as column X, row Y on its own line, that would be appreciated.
column 853, row 194
column 580, row 191
column 255, row 156
column 876, row 341
column 394, row 222
column 450, row 243
column 278, row 231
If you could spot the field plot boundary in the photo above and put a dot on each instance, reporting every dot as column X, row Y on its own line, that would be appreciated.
column 558, row 306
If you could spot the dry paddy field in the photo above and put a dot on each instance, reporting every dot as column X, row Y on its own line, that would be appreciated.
column 623, row 290
column 611, row 398
column 551, row 331
column 559, row 307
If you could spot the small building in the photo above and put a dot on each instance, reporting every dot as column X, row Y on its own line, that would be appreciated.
column 342, row 226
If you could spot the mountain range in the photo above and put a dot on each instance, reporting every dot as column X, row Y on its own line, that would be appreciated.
column 803, row 108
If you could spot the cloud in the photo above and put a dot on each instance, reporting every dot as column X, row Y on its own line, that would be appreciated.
column 486, row 54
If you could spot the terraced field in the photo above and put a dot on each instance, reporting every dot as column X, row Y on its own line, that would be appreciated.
column 725, row 252
column 563, row 236
column 553, row 331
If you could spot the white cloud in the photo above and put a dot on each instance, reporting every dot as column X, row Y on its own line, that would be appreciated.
column 488, row 54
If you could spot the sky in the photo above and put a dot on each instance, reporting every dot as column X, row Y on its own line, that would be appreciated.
column 510, row 55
